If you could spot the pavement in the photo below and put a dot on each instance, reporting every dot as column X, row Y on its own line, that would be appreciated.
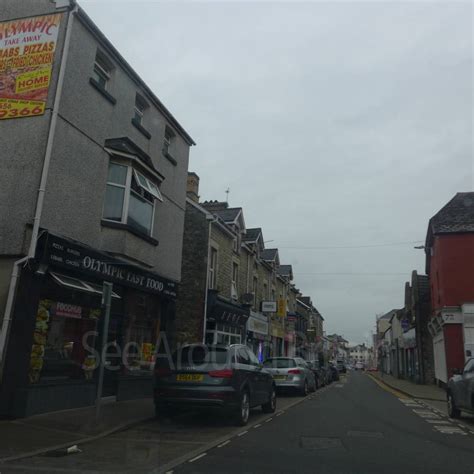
column 58, row 430
column 424, row 392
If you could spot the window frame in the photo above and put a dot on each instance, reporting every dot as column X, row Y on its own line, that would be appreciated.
column 128, row 190
column 212, row 275
column 235, row 280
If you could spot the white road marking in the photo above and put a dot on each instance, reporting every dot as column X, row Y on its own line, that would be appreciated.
column 450, row 430
column 225, row 443
column 268, row 421
column 169, row 472
column 439, row 422
column 243, row 432
column 339, row 385
column 258, row 426
column 426, row 414
column 198, row 457
column 280, row 413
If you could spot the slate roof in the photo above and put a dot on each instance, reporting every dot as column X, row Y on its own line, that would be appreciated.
column 269, row 254
column 228, row 215
column 252, row 234
column 456, row 216
column 285, row 270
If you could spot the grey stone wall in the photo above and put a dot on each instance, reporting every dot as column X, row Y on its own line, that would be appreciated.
column 192, row 290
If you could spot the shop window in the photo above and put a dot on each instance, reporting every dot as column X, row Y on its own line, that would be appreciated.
column 63, row 336
column 130, row 198
column 142, row 328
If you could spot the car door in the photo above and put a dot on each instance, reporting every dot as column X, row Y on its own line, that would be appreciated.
column 305, row 368
column 465, row 386
column 264, row 380
column 249, row 374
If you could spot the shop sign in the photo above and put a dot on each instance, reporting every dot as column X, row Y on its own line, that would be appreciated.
column 68, row 310
column 257, row 324
column 27, row 47
column 281, row 311
column 269, row 307
column 451, row 317
column 405, row 324
column 66, row 254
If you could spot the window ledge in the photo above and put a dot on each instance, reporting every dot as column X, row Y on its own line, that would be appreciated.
column 129, row 228
column 142, row 130
column 102, row 91
column 170, row 158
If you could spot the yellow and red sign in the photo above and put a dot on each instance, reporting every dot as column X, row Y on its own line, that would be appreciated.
column 27, row 47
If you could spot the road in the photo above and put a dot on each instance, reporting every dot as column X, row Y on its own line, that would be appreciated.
column 352, row 426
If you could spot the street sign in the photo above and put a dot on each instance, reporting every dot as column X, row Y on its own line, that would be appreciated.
column 269, row 307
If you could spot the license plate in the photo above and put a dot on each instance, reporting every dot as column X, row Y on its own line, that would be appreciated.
column 190, row 377
column 279, row 377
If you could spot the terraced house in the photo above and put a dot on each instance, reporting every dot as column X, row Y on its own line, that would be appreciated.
column 101, row 167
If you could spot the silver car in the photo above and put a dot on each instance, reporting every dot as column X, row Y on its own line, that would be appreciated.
column 460, row 391
column 291, row 373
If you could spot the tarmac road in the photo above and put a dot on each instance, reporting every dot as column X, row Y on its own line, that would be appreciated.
column 354, row 427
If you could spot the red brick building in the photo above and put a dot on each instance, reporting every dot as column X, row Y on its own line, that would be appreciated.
column 450, row 267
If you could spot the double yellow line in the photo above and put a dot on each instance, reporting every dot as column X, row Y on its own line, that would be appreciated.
column 387, row 388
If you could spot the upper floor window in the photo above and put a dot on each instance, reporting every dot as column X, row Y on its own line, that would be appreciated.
column 212, row 283
column 102, row 70
column 255, row 290
column 235, row 280
column 139, row 109
column 130, row 198
column 169, row 143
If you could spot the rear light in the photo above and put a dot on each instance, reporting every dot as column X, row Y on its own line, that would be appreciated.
column 162, row 371
column 223, row 374
column 294, row 371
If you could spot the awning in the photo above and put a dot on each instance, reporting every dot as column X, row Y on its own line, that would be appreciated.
column 79, row 285
column 227, row 313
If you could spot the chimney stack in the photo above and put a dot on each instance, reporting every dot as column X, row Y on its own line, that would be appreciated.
column 192, row 186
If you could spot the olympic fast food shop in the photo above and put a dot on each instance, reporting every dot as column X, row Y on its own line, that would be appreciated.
column 54, row 345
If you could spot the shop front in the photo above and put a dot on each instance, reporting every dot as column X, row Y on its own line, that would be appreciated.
column 225, row 322
column 277, row 334
column 257, row 335
column 54, row 349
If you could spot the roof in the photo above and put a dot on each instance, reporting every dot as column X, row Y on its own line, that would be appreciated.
column 388, row 315
column 286, row 271
column 252, row 234
column 94, row 29
column 269, row 254
column 228, row 215
column 456, row 216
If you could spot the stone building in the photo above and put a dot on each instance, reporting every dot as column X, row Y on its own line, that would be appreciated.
column 94, row 191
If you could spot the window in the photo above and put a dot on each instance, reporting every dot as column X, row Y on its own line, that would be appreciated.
column 212, row 269
column 101, row 72
column 139, row 109
column 130, row 198
column 469, row 367
column 235, row 280
column 253, row 358
column 265, row 291
column 168, row 142
column 242, row 356
column 255, row 289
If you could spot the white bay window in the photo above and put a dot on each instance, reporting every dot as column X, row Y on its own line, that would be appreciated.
column 130, row 198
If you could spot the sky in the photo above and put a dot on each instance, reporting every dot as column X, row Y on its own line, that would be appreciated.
column 340, row 128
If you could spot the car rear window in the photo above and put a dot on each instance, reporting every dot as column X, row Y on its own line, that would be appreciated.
column 199, row 355
column 279, row 363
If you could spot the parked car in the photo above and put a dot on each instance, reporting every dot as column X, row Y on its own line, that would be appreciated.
column 460, row 390
column 341, row 366
column 291, row 373
column 334, row 372
column 228, row 377
column 360, row 366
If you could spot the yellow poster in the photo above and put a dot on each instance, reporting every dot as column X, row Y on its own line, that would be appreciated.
column 27, row 47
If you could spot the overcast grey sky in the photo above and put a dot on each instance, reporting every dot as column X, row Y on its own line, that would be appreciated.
column 334, row 125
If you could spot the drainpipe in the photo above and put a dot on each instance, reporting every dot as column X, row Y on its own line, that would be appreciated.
column 7, row 318
column 211, row 219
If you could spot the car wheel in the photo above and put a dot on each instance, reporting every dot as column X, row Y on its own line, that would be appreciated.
column 453, row 412
column 270, row 406
column 243, row 411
